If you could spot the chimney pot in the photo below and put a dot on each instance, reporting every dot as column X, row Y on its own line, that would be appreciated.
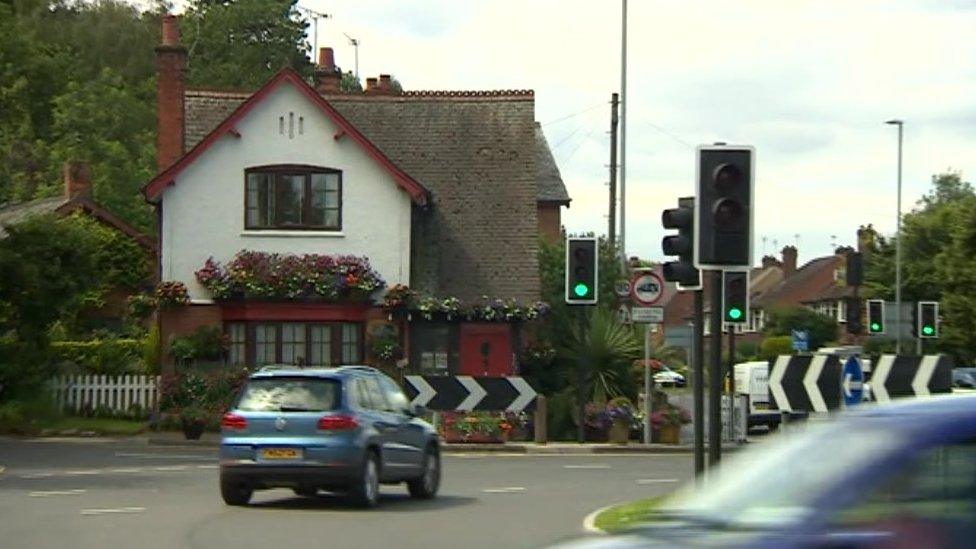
column 77, row 179
column 326, row 60
column 789, row 261
column 385, row 83
column 372, row 85
column 171, row 30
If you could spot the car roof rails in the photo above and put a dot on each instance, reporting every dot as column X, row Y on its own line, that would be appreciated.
column 275, row 367
column 358, row 368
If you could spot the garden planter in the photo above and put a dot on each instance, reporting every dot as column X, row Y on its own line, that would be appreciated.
column 669, row 434
column 619, row 432
column 192, row 429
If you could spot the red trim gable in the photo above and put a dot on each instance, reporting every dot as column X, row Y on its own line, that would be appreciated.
column 154, row 188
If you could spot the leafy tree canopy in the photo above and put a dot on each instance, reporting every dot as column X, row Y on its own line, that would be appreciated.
column 782, row 322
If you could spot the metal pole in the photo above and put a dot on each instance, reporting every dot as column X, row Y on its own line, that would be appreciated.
column 730, row 376
column 623, row 134
column 648, row 389
column 612, row 229
column 898, row 326
column 581, row 379
column 715, row 374
column 698, row 378
column 356, row 49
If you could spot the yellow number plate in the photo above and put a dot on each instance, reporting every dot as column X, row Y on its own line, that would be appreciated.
column 280, row 453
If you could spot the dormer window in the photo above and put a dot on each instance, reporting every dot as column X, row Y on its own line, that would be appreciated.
column 294, row 198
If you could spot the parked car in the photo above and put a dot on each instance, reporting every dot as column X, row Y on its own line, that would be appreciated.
column 346, row 429
column 667, row 377
column 964, row 378
column 899, row 475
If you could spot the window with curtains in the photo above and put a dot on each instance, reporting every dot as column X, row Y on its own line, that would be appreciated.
column 298, row 343
column 293, row 197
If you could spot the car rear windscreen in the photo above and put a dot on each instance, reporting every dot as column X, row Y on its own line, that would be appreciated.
column 289, row 394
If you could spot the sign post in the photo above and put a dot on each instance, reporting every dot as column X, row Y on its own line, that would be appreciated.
column 647, row 288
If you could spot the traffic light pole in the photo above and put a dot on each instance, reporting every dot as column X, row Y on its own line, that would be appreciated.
column 715, row 374
column 581, row 379
column 698, row 373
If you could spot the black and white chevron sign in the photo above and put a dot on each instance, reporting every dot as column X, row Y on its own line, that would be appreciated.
column 466, row 393
column 806, row 383
column 911, row 376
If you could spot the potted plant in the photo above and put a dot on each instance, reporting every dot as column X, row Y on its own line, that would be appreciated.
column 193, row 420
column 620, row 412
column 667, row 422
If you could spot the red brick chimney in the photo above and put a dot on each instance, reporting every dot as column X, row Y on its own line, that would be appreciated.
column 327, row 75
column 789, row 261
column 372, row 86
column 77, row 180
column 769, row 261
column 170, row 85
column 386, row 85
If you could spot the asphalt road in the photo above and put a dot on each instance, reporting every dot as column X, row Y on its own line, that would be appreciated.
column 107, row 493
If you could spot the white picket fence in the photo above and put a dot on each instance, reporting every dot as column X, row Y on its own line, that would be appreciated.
column 119, row 393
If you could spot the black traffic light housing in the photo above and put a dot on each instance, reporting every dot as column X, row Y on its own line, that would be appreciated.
column 723, row 210
column 876, row 316
column 682, row 271
column 853, row 306
column 735, row 297
column 582, row 271
column 855, row 269
column 928, row 320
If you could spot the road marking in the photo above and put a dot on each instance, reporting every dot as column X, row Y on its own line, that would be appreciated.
column 83, row 472
column 37, row 475
column 126, row 470
column 656, row 480
column 505, row 490
column 120, row 510
column 589, row 523
column 172, row 468
column 46, row 493
column 159, row 456
column 208, row 466
column 591, row 466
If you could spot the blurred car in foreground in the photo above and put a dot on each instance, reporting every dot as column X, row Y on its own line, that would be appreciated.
column 346, row 429
column 896, row 476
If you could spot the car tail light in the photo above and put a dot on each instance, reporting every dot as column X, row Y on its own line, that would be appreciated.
column 233, row 422
column 337, row 423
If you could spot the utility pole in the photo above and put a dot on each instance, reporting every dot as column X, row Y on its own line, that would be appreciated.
column 612, row 229
column 354, row 42
column 623, row 134
column 898, row 328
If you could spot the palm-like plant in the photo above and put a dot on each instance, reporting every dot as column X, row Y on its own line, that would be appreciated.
column 605, row 349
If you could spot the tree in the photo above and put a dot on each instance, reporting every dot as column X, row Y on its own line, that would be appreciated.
column 822, row 328
column 350, row 83
column 605, row 350
column 242, row 43
column 956, row 270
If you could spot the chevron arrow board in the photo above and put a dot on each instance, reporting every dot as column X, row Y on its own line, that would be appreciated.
column 806, row 383
column 911, row 376
column 466, row 393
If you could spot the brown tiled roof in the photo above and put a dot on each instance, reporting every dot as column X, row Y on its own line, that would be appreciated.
column 475, row 153
column 807, row 284
column 551, row 187
column 16, row 213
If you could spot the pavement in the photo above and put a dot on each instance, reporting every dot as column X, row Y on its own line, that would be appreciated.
column 96, row 492
column 212, row 440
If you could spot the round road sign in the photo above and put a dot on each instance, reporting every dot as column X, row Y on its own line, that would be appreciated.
column 622, row 288
column 647, row 288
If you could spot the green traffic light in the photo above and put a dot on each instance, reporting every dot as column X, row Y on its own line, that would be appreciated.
column 735, row 313
column 928, row 330
column 581, row 289
column 875, row 327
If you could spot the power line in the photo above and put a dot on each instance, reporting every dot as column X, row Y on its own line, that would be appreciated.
column 578, row 145
column 668, row 134
column 575, row 114
column 563, row 140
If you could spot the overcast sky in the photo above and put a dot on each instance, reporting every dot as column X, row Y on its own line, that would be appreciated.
column 808, row 83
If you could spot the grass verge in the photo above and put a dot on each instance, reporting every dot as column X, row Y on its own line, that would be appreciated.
column 626, row 515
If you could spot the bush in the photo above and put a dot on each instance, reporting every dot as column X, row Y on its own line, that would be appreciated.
column 114, row 356
column 774, row 346
column 206, row 343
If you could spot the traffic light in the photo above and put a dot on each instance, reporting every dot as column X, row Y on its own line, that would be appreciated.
column 928, row 319
column 723, row 210
column 735, row 297
column 683, row 270
column 876, row 313
column 581, row 271
column 855, row 269
column 853, row 306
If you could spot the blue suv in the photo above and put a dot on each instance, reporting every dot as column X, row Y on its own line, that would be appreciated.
column 346, row 429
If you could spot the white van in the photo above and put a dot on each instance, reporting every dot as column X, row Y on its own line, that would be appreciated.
column 752, row 380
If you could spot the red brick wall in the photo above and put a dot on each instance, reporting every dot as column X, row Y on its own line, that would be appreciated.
column 182, row 321
column 549, row 221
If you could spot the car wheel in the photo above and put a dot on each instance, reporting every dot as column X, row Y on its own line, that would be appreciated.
column 425, row 486
column 306, row 491
column 235, row 492
column 366, row 491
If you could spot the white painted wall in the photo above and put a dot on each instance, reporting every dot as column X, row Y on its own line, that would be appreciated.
column 203, row 213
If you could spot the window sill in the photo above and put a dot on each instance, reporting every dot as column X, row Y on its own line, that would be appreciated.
column 293, row 234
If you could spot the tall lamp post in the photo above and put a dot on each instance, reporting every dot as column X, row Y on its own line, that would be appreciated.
column 898, row 327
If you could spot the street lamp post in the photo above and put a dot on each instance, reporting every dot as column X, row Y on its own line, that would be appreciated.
column 898, row 327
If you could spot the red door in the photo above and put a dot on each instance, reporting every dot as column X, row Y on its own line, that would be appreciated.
column 486, row 350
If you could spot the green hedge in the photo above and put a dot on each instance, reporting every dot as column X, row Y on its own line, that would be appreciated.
column 102, row 356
